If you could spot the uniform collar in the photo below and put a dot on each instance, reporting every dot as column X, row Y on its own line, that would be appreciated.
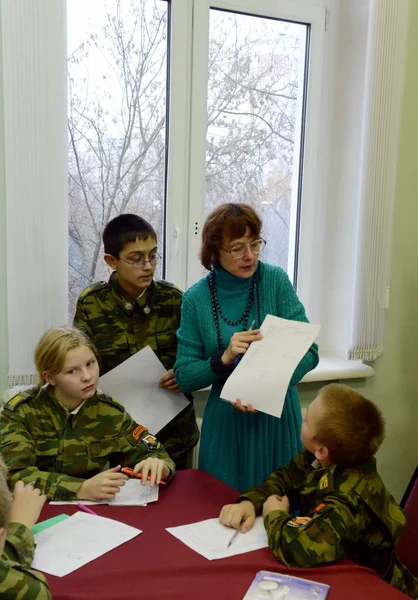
column 51, row 393
column 127, row 302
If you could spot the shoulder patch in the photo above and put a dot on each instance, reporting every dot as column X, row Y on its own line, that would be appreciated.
column 18, row 400
column 151, row 442
column 109, row 400
column 319, row 507
column 96, row 287
column 136, row 433
column 299, row 521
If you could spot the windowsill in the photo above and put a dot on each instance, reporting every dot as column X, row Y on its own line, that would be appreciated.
column 332, row 369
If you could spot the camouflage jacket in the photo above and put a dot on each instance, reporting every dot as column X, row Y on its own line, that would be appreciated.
column 17, row 580
column 347, row 513
column 120, row 325
column 44, row 443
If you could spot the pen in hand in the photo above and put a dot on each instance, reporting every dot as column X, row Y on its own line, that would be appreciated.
column 236, row 532
column 238, row 358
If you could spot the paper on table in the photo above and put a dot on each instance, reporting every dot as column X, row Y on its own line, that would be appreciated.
column 264, row 373
column 210, row 538
column 134, row 383
column 78, row 540
column 133, row 493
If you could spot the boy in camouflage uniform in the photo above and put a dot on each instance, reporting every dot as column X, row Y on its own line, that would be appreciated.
column 347, row 511
column 17, row 579
column 132, row 311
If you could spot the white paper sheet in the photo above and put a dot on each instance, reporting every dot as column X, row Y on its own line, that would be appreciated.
column 72, row 543
column 264, row 373
column 134, row 383
column 133, row 493
column 210, row 538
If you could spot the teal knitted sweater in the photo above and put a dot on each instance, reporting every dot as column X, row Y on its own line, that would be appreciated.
column 239, row 448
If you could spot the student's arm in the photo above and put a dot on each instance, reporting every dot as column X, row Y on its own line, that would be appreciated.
column 323, row 539
column 17, row 580
column 137, row 444
column 290, row 307
column 192, row 369
column 20, row 545
column 21, row 582
column 281, row 482
column 18, row 450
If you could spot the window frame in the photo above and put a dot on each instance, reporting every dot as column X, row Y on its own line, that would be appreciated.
column 183, row 241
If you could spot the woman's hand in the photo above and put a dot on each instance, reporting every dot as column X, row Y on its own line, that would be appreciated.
column 155, row 468
column 168, row 382
column 239, row 344
column 103, row 486
column 239, row 406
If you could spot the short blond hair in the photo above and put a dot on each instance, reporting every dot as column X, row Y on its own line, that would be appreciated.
column 352, row 428
column 53, row 347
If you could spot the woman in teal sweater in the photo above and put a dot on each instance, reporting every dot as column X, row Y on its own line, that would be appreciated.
column 238, row 446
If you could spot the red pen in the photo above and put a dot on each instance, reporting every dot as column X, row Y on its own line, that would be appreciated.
column 130, row 472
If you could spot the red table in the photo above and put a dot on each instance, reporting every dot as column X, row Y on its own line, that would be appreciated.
column 157, row 566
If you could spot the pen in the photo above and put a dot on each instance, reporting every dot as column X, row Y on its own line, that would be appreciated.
column 85, row 509
column 130, row 472
column 238, row 358
column 236, row 532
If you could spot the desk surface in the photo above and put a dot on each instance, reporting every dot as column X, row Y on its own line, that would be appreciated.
column 157, row 566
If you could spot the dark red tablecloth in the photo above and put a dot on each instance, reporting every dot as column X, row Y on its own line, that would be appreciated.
column 157, row 566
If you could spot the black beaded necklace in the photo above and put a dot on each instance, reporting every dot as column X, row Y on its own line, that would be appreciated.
column 217, row 310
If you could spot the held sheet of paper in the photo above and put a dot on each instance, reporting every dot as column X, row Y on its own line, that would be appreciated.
column 134, row 383
column 78, row 540
column 263, row 375
column 210, row 538
column 133, row 493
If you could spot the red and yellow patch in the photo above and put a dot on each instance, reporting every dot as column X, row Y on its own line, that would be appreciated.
column 139, row 429
column 319, row 507
column 299, row 521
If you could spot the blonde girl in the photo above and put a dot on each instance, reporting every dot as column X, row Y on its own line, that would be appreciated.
column 63, row 433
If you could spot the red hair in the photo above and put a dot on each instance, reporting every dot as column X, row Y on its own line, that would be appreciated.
column 228, row 221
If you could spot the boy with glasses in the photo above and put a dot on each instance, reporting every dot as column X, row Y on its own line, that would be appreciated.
column 131, row 311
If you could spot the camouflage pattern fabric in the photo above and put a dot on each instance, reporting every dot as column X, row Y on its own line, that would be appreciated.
column 17, row 580
column 44, row 443
column 120, row 325
column 347, row 513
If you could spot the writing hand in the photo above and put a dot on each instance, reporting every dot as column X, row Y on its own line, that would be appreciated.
column 239, row 344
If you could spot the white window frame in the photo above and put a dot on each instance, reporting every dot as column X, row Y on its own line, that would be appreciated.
column 332, row 166
column 183, row 241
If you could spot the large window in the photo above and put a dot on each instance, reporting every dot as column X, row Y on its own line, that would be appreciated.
column 256, row 82
column 117, row 62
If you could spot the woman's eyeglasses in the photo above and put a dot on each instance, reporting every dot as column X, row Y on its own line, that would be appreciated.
column 239, row 250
